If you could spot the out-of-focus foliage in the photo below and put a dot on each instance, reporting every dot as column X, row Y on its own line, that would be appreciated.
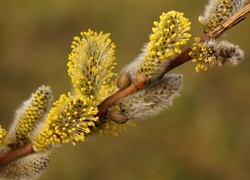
column 205, row 135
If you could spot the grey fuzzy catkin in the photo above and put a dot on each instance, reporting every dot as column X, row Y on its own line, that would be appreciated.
column 155, row 97
column 27, row 168
column 217, row 12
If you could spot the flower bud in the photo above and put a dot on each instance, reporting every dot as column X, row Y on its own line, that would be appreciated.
column 123, row 81
column 117, row 115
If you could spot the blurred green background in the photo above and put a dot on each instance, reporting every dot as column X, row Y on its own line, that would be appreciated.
column 205, row 135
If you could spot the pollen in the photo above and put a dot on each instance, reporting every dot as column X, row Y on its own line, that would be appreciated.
column 29, row 115
column 169, row 34
column 91, row 63
column 2, row 135
column 218, row 11
column 71, row 118
column 215, row 54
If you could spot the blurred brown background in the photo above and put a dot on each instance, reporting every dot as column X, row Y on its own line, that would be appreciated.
column 205, row 135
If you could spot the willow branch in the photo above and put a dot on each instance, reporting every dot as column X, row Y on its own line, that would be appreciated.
column 111, row 100
column 217, row 32
column 177, row 61
column 13, row 154
column 234, row 20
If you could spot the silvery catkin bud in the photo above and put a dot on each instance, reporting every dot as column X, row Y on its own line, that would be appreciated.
column 27, row 168
column 155, row 97
column 218, row 11
column 215, row 54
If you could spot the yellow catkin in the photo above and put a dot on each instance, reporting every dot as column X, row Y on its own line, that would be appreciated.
column 211, row 54
column 29, row 115
column 169, row 34
column 91, row 64
column 2, row 135
column 71, row 118
column 218, row 11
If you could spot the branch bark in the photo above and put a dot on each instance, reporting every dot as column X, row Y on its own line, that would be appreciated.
column 217, row 32
column 111, row 100
column 179, row 60
column 15, row 154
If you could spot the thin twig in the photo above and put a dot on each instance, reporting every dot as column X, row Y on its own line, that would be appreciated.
column 217, row 32
column 234, row 20
column 111, row 100
column 14, row 154
column 179, row 60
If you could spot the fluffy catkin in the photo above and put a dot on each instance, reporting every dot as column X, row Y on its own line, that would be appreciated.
column 157, row 96
column 27, row 168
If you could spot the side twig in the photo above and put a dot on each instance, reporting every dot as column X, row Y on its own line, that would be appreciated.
column 111, row 100
column 15, row 154
column 217, row 32
column 180, row 59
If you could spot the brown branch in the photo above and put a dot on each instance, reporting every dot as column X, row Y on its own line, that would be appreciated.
column 111, row 100
column 11, row 155
column 179, row 60
column 234, row 20
column 217, row 32
column 14, row 154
